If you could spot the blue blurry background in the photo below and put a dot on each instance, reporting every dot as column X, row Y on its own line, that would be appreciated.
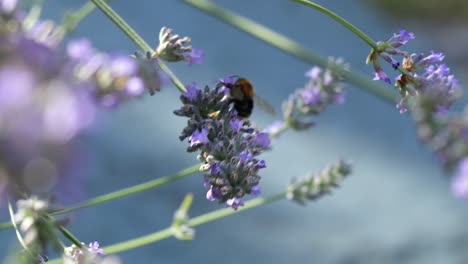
column 395, row 208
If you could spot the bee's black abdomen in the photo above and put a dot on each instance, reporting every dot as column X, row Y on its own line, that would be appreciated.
column 243, row 107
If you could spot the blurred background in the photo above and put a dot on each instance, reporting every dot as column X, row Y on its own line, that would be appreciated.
column 396, row 207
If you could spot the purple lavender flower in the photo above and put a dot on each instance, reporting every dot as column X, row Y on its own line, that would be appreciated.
column 380, row 75
column 322, row 89
column 48, row 97
column 195, row 56
column 275, row 128
column 90, row 254
column 113, row 78
column 192, row 91
column 42, row 107
column 460, row 180
column 313, row 73
column 7, row 7
column 234, row 203
column 400, row 39
column 255, row 190
column 314, row 186
column 420, row 75
column 311, row 96
column 262, row 140
column 199, row 137
column 214, row 194
column 228, row 144
column 401, row 106
column 94, row 248
column 172, row 48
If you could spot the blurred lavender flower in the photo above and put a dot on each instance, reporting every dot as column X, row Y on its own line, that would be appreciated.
column 42, row 109
column 460, row 179
column 315, row 186
column 172, row 48
column 7, row 7
column 48, row 98
column 87, row 255
column 420, row 74
column 37, row 228
column 113, row 79
column 322, row 89
column 228, row 144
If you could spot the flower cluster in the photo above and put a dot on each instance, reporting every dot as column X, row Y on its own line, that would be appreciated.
column 228, row 143
column 110, row 79
column 86, row 255
column 420, row 74
column 448, row 138
column 36, row 227
column 49, row 95
column 322, row 89
column 315, row 186
column 172, row 48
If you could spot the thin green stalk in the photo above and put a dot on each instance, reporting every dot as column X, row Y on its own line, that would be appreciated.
column 340, row 20
column 291, row 47
column 71, row 20
column 122, row 193
column 196, row 221
column 70, row 236
column 112, row 15
column 18, row 233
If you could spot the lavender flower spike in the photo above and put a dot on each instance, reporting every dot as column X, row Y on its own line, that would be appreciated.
column 228, row 144
column 315, row 186
column 172, row 48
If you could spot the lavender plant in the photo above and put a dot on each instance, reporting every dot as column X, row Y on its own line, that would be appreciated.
column 50, row 91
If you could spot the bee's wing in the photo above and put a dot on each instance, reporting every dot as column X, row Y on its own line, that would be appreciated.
column 264, row 105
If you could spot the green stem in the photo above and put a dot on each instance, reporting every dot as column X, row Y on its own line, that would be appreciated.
column 196, row 221
column 70, row 236
column 291, row 47
column 70, row 21
column 112, row 15
column 340, row 20
column 122, row 193
column 13, row 223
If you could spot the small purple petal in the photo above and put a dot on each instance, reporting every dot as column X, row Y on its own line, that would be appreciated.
column 380, row 75
column 313, row 73
column 245, row 157
column 401, row 106
column 236, row 124
column 228, row 79
column 80, row 49
column 275, row 127
column 338, row 98
column 215, row 169
column 255, row 190
column 312, row 96
column 213, row 194
column 206, row 182
column 94, row 247
column 123, row 65
column 262, row 140
column 192, row 91
column 460, row 179
column 234, row 203
column 135, row 86
column 261, row 164
column 195, row 56
column 400, row 39
column 199, row 137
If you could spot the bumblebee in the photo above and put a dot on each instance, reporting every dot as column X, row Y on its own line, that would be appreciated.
column 243, row 97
